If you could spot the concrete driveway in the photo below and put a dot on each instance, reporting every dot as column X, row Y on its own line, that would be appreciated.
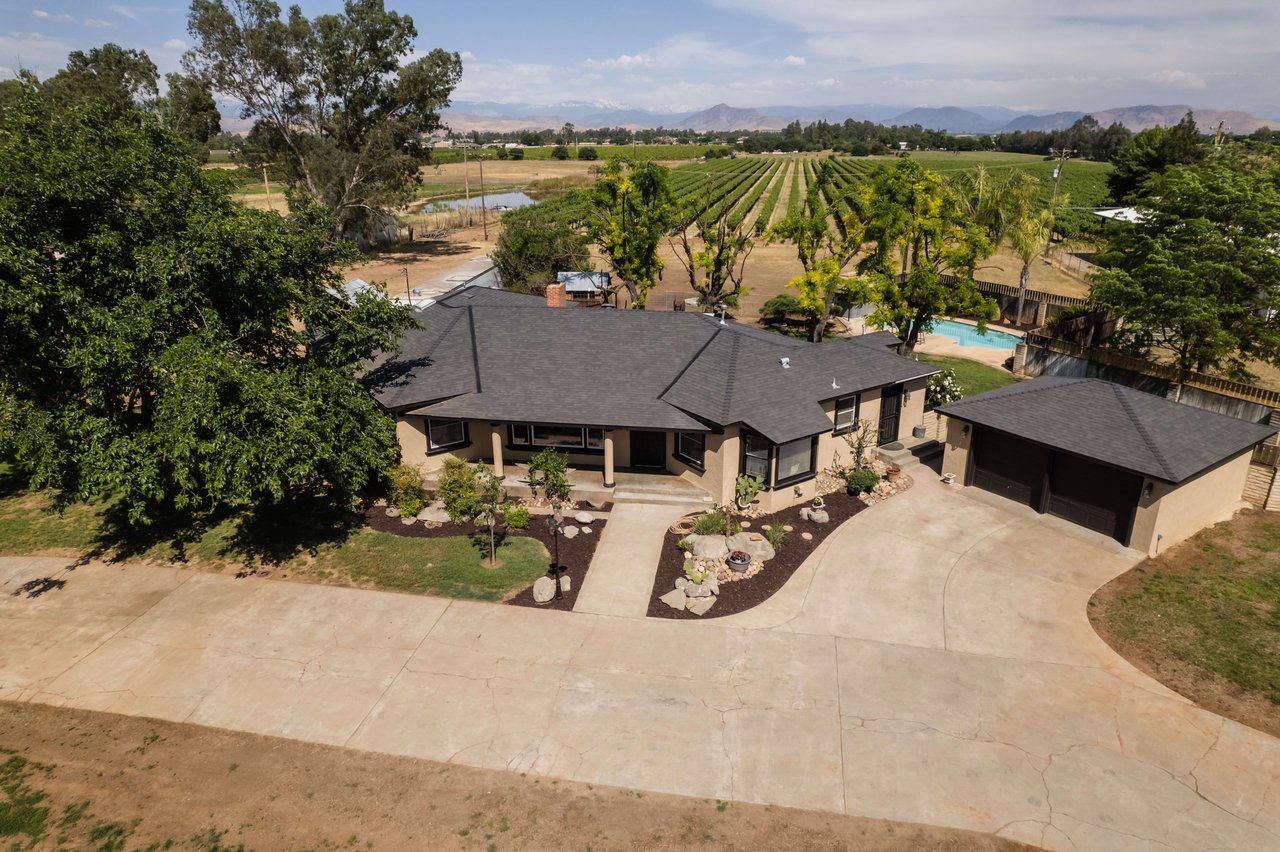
column 931, row 663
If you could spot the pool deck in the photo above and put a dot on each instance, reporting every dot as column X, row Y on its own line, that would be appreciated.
column 943, row 346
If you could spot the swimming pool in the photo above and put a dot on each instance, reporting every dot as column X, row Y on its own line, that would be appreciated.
column 967, row 335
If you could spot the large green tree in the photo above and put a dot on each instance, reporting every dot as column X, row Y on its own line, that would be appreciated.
column 118, row 78
column 926, row 249
column 161, row 343
column 1199, row 276
column 1149, row 153
column 334, row 98
column 632, row 211
column 188, row 109
column 540, row 240
column 714, row 254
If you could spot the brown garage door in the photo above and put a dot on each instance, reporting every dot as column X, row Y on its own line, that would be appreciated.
column 1094, row 496
column 1009, row 466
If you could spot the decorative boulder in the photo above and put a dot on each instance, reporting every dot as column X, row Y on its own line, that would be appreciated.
column 699, row 606
column 565, row 583
column 544, row 589
column 393, row 512
column 707, row 546
column 753, row 543
column 570, row 531
column 407, row 520
column 434, row 514
column 584, row 517
column 698, row 590
column 681, row 582
column 674, row 599
column 586, row 530
column 819, row 516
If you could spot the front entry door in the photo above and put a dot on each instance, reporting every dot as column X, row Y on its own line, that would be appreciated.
column 649, row 450
column 890, row 409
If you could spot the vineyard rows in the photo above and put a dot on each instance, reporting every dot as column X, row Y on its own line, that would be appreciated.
column 750, row 189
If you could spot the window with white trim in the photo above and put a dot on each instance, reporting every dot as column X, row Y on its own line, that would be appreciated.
column 847, row 413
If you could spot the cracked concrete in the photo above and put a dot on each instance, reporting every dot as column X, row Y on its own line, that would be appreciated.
column 932, row 662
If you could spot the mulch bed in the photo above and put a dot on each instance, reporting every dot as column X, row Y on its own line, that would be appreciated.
column 744, row 594
column 575, row 553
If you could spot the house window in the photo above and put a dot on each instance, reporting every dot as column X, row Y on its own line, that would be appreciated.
column 445, row 434
column 595, row 439
column 755, row 455
column 847, row 413
column 557, row 436
column 795, row 460
column 528, row 435
column 519, row 434
column 691, row 448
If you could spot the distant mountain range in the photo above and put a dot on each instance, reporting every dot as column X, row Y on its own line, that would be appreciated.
column 465, row 116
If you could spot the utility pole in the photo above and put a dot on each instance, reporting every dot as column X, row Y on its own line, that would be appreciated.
column 1063, row 154
column 466, row 181
column 266, row 187
column 484, row 220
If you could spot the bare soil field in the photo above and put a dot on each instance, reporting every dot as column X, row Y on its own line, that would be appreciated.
column 138, row 782
column 424, row 258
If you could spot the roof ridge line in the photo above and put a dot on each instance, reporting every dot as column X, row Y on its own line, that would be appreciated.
column 1142, row 430
column 732, row 373
column 1019, row 391
column 688, row 364
column 447, row 329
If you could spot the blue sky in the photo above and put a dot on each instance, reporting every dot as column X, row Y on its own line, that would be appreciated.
column 665, row 55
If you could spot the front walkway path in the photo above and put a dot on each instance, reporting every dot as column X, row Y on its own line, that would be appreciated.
column 621, row 578
column 932, row 663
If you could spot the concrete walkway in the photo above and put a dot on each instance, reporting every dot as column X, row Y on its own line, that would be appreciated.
column 621, row 577
column 932, row 663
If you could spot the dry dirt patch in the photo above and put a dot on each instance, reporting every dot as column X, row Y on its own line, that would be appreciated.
column 182, row 781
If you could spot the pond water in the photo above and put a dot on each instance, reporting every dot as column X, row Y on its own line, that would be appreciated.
column 492, row 201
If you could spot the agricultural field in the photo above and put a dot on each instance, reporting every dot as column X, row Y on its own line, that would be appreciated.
column 603, row 152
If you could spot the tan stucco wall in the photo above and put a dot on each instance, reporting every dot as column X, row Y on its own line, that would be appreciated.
column 412, row 434
column 912, row 409
column 955, row 458
column 1176, row 512
column 720, row 463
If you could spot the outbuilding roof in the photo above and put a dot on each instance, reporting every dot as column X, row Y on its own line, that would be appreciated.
column 1113, row 424
column 500, row 356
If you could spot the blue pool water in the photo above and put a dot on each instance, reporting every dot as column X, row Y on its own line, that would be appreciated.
column 967, row 335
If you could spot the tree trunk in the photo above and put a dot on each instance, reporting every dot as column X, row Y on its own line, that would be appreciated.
column 1023, row 277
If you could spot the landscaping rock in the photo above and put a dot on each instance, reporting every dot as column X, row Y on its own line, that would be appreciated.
column 586, row 530
column 434, row 514
column 698, row 590
column 681, row 582
column 406, row 521
column 746, row 525
column 753, row 543
column 584, row 517
column 675, row 599
column 819, row 516
column 570, row 531
column 708, row 546
column 393, row 512
column 544, row 589
column 566, row 583
column 699, row 606
column 807, row 536
column 787, row 528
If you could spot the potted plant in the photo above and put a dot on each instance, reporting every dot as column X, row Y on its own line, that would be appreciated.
column 738, row 560
column 818, row 502
column 892, row 473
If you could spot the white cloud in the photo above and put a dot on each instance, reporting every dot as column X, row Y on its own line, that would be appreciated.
column 52, row 17
column 828, row 83
column 33, row 52
column 467, row 56
column 125, row 11
column 638, row 60
column 793, row 60
column 175, row 44
column 98, row 24
column 1175, row 79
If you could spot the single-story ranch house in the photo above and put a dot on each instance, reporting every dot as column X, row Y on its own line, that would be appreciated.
column 1142, row 469
column 496, row 376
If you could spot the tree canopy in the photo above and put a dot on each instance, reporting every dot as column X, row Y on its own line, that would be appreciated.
column 632, row 212
column 333, row 97
column 1149, row 153
column 1199, row 275
column 926, row 250
column 540, row 240
column 162, row 344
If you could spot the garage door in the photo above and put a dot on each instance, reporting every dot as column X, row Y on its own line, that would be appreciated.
column 1094, row 496
column 1010, row 467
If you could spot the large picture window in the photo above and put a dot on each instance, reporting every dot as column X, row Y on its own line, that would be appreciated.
column 847, row 413
column 559, row 437
column 445, row 434
column 691, row 448
column 795, row 460
column 755, row 455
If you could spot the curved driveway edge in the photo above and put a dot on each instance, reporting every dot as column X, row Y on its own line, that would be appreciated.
column 934, row 664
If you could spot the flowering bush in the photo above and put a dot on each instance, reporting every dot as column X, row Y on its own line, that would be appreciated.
column 943, row 388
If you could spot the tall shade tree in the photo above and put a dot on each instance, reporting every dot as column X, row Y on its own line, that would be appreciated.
column 926, row 250
column 540, row 240
column 1199, row 275
column 119, row 78
column 188, row 109
column 161, row 343
column 632, row 211
column 823, row 251
column 334, row 100
column 1144, row 157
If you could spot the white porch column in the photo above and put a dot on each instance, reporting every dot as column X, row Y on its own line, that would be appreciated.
column 608, row 460
column 497, row 452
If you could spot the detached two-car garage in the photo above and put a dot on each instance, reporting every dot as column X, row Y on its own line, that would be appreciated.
column 1082, row 491
column 1139, row 468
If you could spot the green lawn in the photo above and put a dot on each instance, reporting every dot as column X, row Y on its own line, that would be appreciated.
column 974, row 377
column 1212, row 603
column 332, row 547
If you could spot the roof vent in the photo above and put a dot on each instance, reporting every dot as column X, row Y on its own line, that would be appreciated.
column 834, row 386
column 785, row 362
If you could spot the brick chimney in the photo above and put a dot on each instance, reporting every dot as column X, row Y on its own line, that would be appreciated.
column 555, row 296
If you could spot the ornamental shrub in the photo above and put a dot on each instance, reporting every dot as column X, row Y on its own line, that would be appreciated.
column 942, row 388
column 548, row 470
column 775, row 535
column 516, row 517
column 458, row 490
column 406, row 489
column 862, row 480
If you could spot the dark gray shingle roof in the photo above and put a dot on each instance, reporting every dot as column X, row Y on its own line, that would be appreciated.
column 1114, row 424
column 493, row 355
